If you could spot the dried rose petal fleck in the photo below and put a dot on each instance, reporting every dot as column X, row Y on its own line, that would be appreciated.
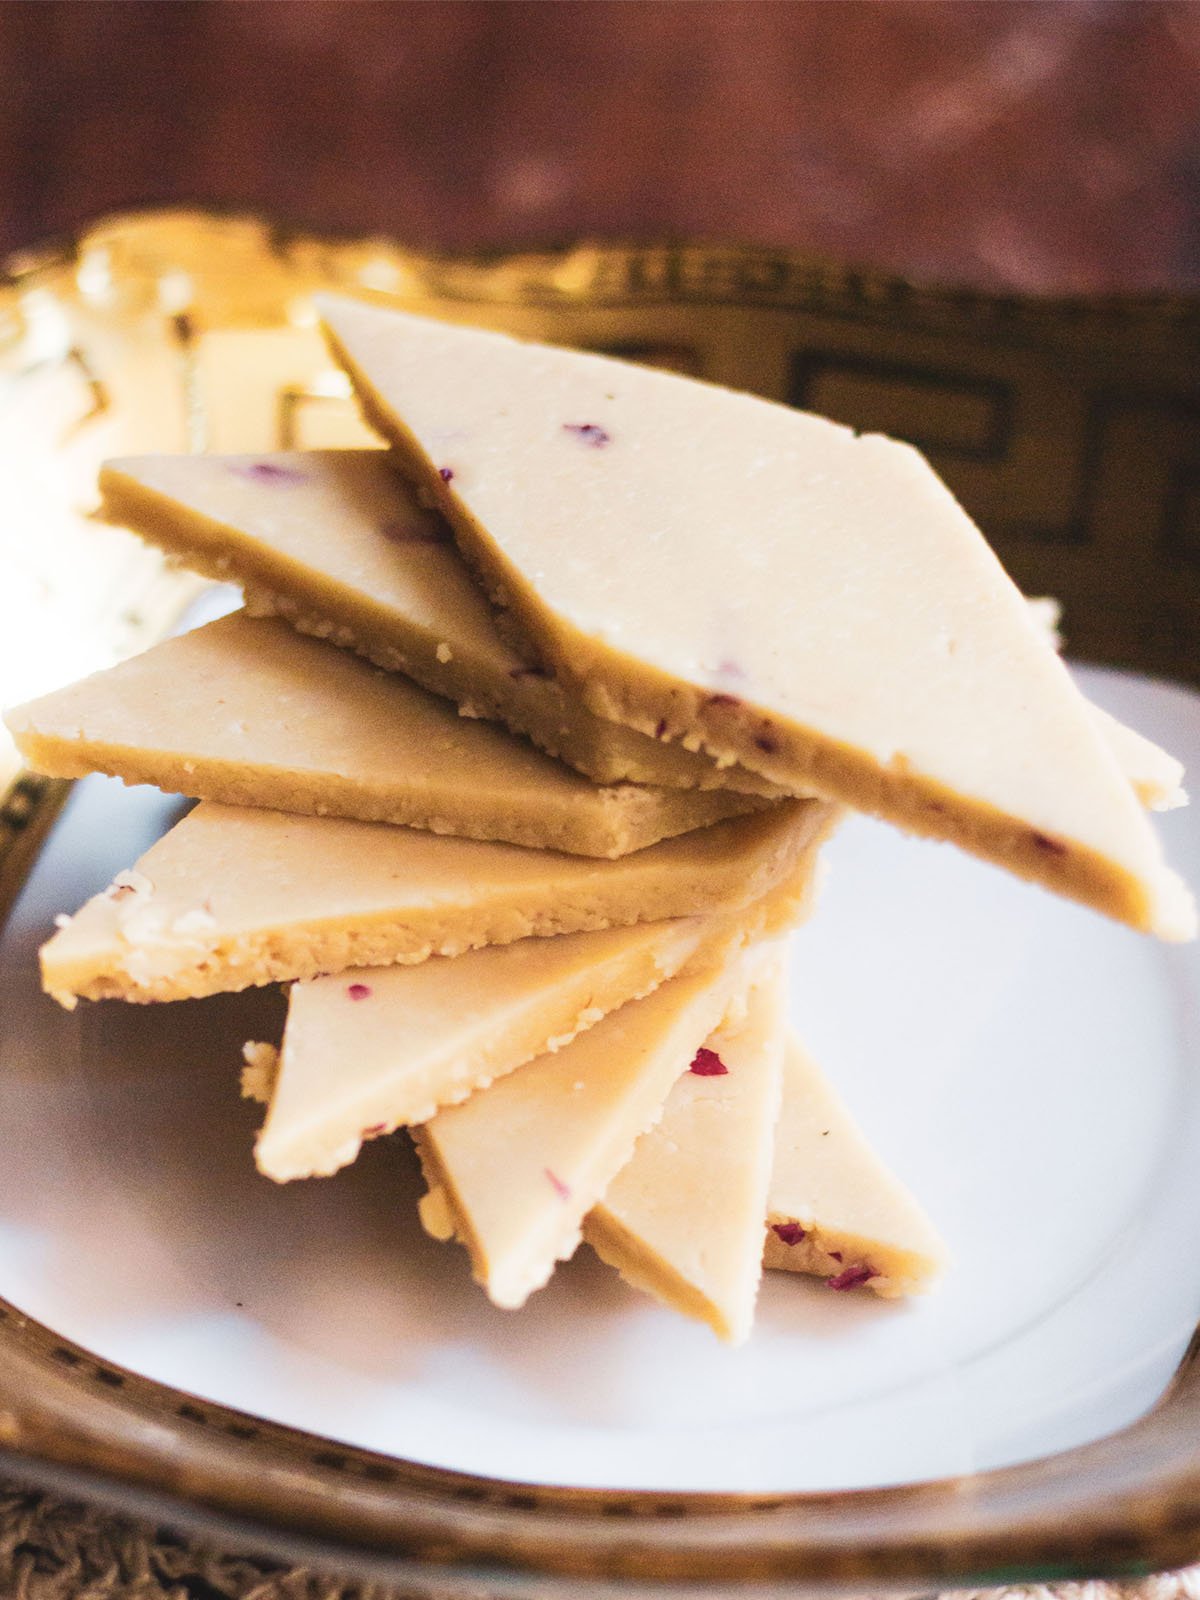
column 589, row 433
column 723, row 700
column 375, row 1130
column 767, row 743
column 852, row 1278
column 559, row 1187
column 661, row 728
column 267, row 472
column 359, row 991
column 790, row 1232
column 446, row 474
column 708, row 1064
column 835, row 1255
column 1052, row 847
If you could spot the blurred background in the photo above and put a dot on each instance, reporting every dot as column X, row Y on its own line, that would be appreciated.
column 1032, row 144
column 876, row 192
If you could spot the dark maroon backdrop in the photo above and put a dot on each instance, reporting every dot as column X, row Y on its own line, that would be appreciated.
column 1037, row 145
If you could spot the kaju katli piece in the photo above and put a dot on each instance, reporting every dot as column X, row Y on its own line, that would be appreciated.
column 683, row 1219
column 232, row 897
column 246, row 711
column 762, row 583
column 833, row 1208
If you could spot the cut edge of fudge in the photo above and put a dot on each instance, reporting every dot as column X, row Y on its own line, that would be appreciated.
column 247, row 712
column 132, row 943
column 526, row 699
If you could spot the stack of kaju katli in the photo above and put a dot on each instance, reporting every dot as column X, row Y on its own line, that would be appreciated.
column 516, row 763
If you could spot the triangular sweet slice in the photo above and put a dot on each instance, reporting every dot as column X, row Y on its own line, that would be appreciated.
column 834, row 1209
column 767, row 585
column 374, row 1049
column 336, row 543
column 683, row 1219
column 246, row 711
column 232, row 897
column 515, row 1170
column 391, row 586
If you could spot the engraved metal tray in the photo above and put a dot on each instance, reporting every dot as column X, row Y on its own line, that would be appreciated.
column 154, row 1298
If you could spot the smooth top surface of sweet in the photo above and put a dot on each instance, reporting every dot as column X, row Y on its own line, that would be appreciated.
column 684, row 1217
column 249, row 712
column 805, row 600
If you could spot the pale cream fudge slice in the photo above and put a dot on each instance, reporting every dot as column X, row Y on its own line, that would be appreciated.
column 336, row 543
column 514, row 1171
column 683, row 1220
column 834, row 1209
column 233, row 897
column 390, row 585
column 767, row 585
column 248, row 712
column 374, row 1049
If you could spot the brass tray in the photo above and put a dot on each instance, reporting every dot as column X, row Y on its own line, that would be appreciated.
column 1068, row 428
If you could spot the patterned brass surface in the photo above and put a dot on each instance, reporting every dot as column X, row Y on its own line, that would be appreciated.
column 1068, row 428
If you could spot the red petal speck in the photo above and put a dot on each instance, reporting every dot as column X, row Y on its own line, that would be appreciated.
column 374, row 1130
column 590, row 433
column 267, row 472
column 559, row 1187
column 446, row 474
column 708, row 1064
column 851, row 1278
column 790, row 1232
column 358, row 991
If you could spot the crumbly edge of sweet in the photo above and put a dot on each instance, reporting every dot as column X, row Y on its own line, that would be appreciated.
column 624, row 819
column 846, row 1261
column 535, row 705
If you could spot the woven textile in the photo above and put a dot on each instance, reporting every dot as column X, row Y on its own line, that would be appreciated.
column 52, row 1549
